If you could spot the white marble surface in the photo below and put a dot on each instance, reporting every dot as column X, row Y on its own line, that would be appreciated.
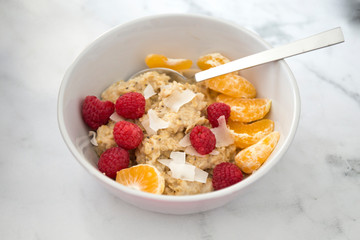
column 313, row 193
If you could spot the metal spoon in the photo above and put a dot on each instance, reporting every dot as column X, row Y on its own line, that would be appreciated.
column 320, row 40
column 174, row 75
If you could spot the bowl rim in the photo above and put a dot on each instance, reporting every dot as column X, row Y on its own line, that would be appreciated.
column 234, row 189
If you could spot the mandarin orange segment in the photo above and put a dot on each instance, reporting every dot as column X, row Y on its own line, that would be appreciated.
column 157, row 60
column 211, row 60
column 143, row 177
column 246, row 110
column 233, row 85
column 251, row 158
column 246, row 135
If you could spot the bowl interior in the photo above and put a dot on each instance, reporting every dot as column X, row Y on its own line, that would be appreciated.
column 121, row 52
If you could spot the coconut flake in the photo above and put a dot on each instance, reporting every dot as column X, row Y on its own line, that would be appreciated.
column 185, row 141
column 116, row 117
column 156, row 123
column 177, row 99
column 200, row 175
column 93, row 141
column 146, row 124
column 191, row 151
column 214, row 152
column 180, row 169
column 178, row 157
column 165, row 162
column 222, row 133
column 149, row 91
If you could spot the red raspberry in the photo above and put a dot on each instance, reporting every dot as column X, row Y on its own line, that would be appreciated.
column 202, row 139
column 127, row 135
column 215, row 111
column 130, row 105
column 95, row 112
column 226, row 174
column 113, row 160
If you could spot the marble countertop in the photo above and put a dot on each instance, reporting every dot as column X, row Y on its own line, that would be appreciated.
column 312, row 193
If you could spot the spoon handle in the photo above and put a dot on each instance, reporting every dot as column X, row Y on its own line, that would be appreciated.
column 320, row 40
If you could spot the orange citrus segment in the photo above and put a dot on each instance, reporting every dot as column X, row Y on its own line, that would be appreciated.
column 143, row 177
column 211, row 60
column 233, row 85
column 246, row 110
column 251, row 158
column 246, row 135
column 157, row 60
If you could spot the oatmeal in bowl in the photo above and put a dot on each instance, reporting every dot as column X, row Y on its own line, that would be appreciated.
column 181, row 132
column 184, row 174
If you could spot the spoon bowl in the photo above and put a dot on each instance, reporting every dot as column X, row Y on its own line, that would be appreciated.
column 174, row 75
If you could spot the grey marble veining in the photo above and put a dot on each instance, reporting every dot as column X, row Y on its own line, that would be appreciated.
column 313, row 193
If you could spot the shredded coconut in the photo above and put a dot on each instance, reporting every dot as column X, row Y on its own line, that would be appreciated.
column 146, row 124
column 178, row 157
column 93, row 141
column 149, row 91
column 156, row 123
column 200, row 175
column 116, row 117
column 185, row 141
column 180, row 169
column 177, row 99
column 222, row 133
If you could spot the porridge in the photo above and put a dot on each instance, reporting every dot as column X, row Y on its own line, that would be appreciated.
column 165, row 137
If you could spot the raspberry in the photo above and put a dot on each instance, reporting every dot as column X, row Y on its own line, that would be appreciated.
column 113, row 160
column 130, row 105
column 202, row 139
column 226, row 174
column 127, row 135
column 95, row 112
column 215, row 111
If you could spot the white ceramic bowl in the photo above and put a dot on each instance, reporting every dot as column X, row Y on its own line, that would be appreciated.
column 120, row 52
